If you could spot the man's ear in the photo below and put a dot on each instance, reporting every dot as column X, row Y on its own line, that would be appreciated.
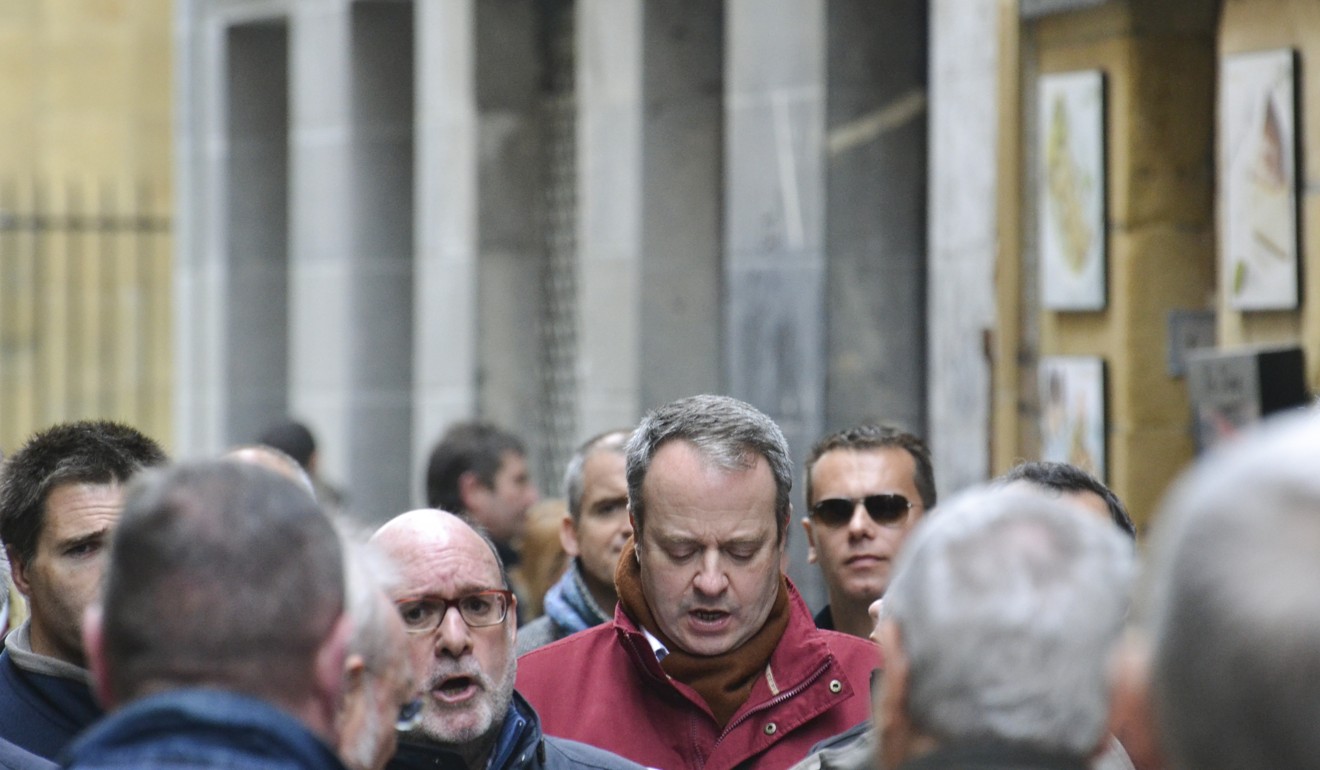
column 811, row 540
column 330, row 666
column 889, row 704
column 568, row 538
column 18, row 571
column 1131, row 708
column 93, row 634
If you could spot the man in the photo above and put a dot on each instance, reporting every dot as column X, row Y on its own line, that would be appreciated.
column 295, row 440
column 1223, row 662
column 1073, row 485
column 222, row 637
column 480, row 471
column 712, row 660
column 997, row 631
column 276, row 460
column 60, row 498
column 378, row 672
column 866, row 487
column 454, row 600
column 594, row 533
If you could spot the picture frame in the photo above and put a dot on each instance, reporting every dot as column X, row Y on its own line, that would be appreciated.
column 1072, row 191
column 1073, row 417
column 1257, row 213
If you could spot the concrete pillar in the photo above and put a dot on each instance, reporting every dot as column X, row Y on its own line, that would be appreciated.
column 875, row 221
column 445, row 350
column 962, row 236
column 682, row 201
column 774, row 272
column 351, row 344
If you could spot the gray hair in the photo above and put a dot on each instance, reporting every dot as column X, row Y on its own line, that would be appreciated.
column 729, row 433
column 220, row 574
column 615, row 441
column 1008, row 606
column 1234, row 614
column 367, row 576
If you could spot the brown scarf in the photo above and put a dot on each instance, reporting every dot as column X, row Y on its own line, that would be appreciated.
column 724, row 681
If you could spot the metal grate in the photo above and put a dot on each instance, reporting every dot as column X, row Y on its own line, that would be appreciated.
column 557, row 423
column 84, row 307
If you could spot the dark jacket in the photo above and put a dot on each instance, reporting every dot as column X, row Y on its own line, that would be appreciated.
column 14, row 758
column 521, row 746
column 569, row 608
column 42, row 712
column 993, row 756
column 198, row 728
column 605, row 687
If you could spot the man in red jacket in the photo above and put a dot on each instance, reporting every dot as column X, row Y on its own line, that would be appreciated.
column 712, row 661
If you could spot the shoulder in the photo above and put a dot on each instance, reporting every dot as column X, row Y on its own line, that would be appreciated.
column 561, row 752
column 538, row 633
column 582, row 647
column 851, row 649
column 14, row 758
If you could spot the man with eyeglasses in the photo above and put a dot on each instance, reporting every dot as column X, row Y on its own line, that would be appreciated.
column 453, row 596
column 866, row 487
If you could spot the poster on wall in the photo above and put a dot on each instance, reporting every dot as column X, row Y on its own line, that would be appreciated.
column 1071, row 190
column 1072, row 411
column 1258, row 161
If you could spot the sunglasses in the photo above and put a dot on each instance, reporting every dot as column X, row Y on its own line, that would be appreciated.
column 883, row 509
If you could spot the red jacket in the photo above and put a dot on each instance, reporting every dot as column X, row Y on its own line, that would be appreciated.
column 604, row 687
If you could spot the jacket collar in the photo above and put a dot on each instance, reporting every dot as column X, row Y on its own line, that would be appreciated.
column 206, row 718
column 520, row 739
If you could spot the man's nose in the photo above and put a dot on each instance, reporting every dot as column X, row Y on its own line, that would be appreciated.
column 453, row 635
column 860, row 522
column 711, row 579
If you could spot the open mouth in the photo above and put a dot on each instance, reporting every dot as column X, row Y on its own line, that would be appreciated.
column 456, row 689
column 709, row 616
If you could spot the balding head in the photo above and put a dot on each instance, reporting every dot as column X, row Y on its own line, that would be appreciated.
column 449, row 575
column 277, row 460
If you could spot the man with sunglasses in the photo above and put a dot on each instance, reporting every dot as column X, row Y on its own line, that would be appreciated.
column 453, row 596
column 866, row 488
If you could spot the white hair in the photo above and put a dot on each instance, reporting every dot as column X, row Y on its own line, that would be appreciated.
column 1234, row 611
column 1008, row 605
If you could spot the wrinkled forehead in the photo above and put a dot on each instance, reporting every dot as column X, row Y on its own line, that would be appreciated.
column 440, row 559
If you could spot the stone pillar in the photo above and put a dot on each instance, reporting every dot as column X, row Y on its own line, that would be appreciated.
column 962, row 236
column 445, row 302
column 875, row 220
column 774, row 272
column 351, row 345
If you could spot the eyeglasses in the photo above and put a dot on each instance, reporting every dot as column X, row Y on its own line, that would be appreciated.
column 483, row 608
column 410, row 715
column 883, row 509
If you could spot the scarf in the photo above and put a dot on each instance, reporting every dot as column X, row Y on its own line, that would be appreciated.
column 723, row 681
column 569, row 603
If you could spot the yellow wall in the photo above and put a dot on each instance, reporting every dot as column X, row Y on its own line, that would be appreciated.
column 1261, row 25
column 1158, row 60
column 85, row 116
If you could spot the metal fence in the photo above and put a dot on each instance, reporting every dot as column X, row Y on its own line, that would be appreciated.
column 85, row 314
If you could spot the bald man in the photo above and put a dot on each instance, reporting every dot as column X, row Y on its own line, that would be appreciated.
column 454, row 598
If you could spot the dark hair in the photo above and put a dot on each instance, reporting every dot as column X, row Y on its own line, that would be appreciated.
column 223, row 574
column 83, row 452
column 478, row 447
column 1062, row 477
column 615, row 441
column 728, row 433
column 874, row 436
column 292, row 438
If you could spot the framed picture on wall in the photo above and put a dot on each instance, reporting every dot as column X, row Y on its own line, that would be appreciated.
column 1258, row 163
column 1072, row 411
column 1071, row 190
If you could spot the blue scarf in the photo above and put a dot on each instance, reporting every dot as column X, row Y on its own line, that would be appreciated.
column 569, row 603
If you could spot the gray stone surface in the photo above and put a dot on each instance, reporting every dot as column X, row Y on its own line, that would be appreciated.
column 962, row 226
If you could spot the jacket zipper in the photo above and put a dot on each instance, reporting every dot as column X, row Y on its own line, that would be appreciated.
column 775, row 701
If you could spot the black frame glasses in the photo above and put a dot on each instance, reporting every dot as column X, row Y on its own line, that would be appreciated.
column 884, row 509
column 424, row 614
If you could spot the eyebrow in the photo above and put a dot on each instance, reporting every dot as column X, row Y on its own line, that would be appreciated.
column 86, row 539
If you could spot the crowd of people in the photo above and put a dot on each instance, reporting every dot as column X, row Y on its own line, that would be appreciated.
column 224, row 613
